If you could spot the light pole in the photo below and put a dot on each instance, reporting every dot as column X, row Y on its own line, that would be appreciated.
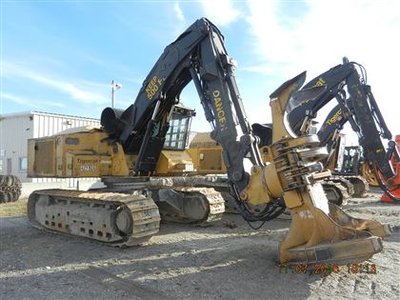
column 114, row 86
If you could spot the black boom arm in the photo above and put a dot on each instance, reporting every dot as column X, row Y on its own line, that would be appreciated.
column 356, row 105
column 198, row 54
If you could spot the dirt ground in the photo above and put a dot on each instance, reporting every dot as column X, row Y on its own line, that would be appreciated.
column 188, row 262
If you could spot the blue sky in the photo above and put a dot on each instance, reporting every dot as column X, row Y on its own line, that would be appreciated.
column 60, row 56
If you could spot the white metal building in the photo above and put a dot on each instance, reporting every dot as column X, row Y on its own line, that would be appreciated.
column 17, row 128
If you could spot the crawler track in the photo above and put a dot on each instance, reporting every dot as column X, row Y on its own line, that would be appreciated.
column 191, row 205
column 335, row 192
column 360, row 184
column 191, row 199
column 112, row 218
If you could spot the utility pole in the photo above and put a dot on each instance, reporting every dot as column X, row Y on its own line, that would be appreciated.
column 114, row 86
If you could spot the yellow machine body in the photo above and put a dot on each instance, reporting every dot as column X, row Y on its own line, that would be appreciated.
column 78, row 154
column 206, row 154
column 86, row 153
column 174, row 162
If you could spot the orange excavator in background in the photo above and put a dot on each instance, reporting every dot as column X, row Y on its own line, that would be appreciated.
column 392, row 185
column 350, row 161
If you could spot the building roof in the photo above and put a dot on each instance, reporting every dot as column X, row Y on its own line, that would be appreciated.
column 41, row 113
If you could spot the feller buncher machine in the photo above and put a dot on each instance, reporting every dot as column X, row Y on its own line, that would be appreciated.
column 356, row 104
column 128, row 153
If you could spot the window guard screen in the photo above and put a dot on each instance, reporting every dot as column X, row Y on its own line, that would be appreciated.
column 176, row 137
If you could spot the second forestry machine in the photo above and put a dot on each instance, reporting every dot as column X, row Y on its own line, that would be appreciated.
column 356, row 105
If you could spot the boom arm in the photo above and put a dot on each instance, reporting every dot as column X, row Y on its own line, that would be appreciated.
column 199, row 55
column 333, row 79
column 360, row 109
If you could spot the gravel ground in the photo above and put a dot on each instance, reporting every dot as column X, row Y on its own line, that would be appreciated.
column 188, row 262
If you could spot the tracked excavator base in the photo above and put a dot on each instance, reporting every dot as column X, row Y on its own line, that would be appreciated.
column 112, row 218
column 188, row 199
column 123, row 213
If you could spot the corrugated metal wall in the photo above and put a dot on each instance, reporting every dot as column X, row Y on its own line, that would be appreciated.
column 16, row 129
column 49, row 124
